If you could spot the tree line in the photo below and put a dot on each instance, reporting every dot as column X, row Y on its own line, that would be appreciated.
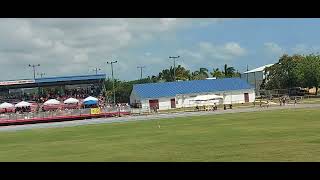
column 293, row 71
column 123, row 88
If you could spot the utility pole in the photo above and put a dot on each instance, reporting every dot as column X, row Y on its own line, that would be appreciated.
column 34, row 69
column 96, row 70
column 114, row 95
column 174, row 66
column 141, row 67
column 41, row 74
column 34, row 76
column 247, row 73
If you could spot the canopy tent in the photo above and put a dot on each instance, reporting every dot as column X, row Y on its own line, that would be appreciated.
column 6, row 105
column 90, row 98
column 90, row 101
column 22, row 104
column 52, row 102
column 207, row 97
column 71, row 101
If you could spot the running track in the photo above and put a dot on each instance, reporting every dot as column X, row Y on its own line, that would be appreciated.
column 150, row 117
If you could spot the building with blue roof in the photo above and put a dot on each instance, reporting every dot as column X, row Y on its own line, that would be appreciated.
column 93, row 84
column 178, row 94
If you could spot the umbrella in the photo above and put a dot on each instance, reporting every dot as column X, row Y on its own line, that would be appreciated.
column 71, row 101
column 90, row 98
column 6, row 105
column 91, row 102
column 52, row 102
column 23, row 104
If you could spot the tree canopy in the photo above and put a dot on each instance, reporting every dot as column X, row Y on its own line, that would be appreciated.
column 294, row 71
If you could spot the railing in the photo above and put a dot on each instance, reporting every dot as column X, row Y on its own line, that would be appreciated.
column 62, row 113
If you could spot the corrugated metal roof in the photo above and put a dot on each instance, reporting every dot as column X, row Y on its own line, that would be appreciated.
column 170, row 89
column 71, row 78
column 259, row 69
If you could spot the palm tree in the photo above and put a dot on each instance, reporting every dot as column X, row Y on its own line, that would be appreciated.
column 216, row 73
column 201, row 74
column 204, row 72
column 182, row 73
column 229, row 71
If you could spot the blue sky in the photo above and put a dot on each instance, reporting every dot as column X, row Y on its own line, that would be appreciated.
column 76, row 46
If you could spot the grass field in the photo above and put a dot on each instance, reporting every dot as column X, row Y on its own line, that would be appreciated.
column 282, row 135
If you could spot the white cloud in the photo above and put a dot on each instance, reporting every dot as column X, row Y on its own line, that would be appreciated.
column 273, row 48
column 68, row 46
column 206, row 54
column 226, row 51
column 189, row 53
column 305, row 49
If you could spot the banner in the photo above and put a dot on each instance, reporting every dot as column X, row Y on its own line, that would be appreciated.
column 6, row 83
column 95, row 110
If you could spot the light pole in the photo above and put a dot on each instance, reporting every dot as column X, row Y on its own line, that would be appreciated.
column 114, row 95
column 141, row 67
column 96, row 70
column 247, row 74
column 34, row 77
column 41, row 74
column 174, row 66
column 34, row 69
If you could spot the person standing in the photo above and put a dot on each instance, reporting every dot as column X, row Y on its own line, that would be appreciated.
column 260, row 103
column 280, row 100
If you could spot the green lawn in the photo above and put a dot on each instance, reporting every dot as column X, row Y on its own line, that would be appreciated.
column 282, row 135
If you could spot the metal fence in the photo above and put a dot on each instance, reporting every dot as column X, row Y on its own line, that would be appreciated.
column 56, row 113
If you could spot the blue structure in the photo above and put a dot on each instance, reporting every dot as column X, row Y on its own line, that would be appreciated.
column 179, row 94
column 70, row 78
column 90, row 102
column 53, row 81
column 170, row 89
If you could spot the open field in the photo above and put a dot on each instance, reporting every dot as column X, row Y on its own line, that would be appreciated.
column 278, row 135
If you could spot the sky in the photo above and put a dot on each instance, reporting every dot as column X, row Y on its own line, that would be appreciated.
column 65, row 47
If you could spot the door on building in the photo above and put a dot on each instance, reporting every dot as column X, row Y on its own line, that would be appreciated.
column 173, row 103
column 154, row 104
column 246, row 97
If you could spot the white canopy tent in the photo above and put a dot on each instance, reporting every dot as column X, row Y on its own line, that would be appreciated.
column 52, row 102
column 71, row 101
column 207, row 97
column 22, row 104
column 6, row 105
column 90, row 98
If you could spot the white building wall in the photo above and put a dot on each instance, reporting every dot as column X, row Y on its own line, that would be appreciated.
column 133, row 97
column 165, row 103
column 233, row 97
column 145, row 104
column 186, row 100
column 236, row 97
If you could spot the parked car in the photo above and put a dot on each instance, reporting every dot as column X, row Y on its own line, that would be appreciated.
column 297, row 91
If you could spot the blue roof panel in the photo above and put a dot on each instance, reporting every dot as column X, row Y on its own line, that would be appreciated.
column 169, row 89
column 70, row 78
